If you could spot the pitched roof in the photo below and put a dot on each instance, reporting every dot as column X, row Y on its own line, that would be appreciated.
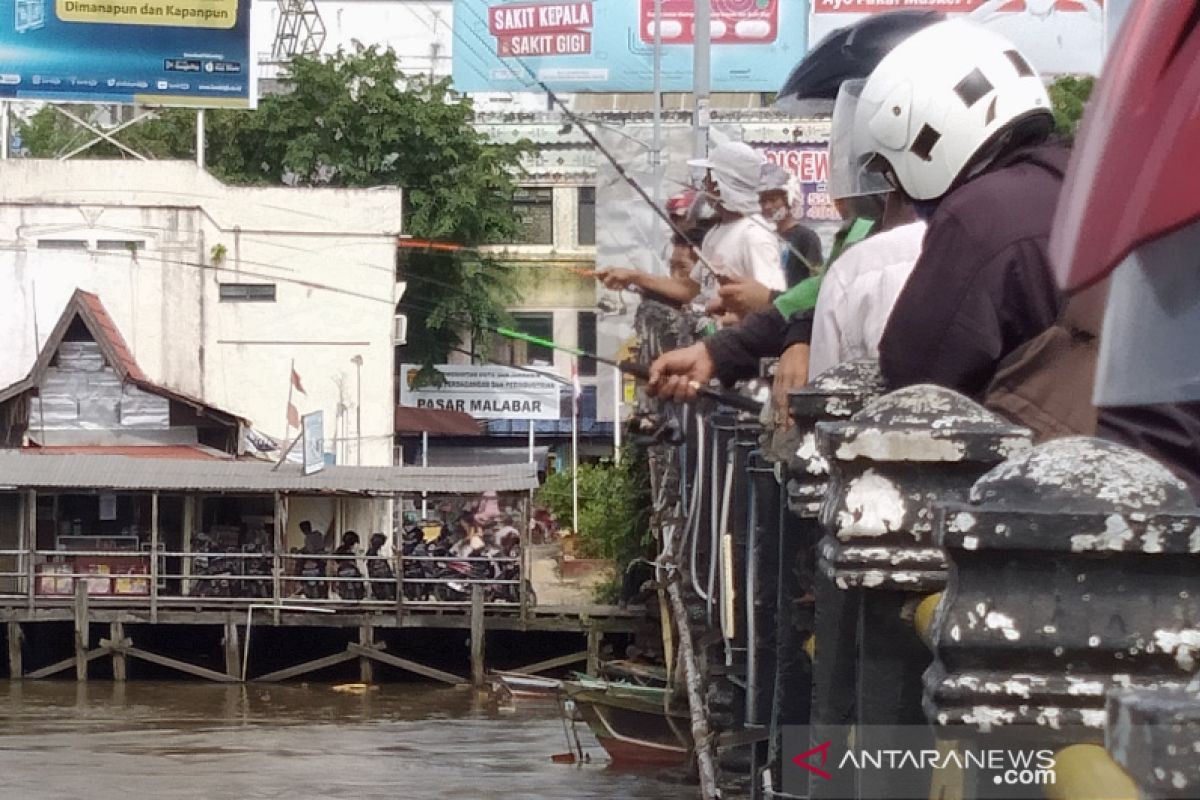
column 90, row 309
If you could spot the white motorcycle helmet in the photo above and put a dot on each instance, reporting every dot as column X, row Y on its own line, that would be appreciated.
column 942, row 99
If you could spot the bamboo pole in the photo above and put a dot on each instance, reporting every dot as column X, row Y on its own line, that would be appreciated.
column 701, row 737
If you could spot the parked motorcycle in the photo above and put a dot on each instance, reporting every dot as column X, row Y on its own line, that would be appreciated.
column 379, row 570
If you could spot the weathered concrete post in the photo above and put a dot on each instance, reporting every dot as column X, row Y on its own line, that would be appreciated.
column 1154, row 734
column 1074, row 571
column 802, row 475
column 889, row 464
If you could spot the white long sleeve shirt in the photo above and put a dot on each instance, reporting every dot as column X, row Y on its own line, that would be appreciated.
column 857, row 296
column 742, row 248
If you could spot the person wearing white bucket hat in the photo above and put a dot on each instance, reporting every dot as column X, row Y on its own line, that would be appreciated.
column 741, row 245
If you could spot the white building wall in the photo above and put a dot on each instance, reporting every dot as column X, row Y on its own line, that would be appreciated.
column 330, row 254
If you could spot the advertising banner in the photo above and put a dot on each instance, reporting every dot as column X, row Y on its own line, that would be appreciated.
column 155, row 52
column 1057, row 36
column 608, row 45
column 312, row 428
column 484, row 392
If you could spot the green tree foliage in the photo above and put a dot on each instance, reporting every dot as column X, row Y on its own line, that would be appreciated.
column 614, row 508
column 354, row 119
column 1068, row 98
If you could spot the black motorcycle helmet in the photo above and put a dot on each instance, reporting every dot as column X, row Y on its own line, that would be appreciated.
column 350, row 539
column 378, row 540
column 846, row 54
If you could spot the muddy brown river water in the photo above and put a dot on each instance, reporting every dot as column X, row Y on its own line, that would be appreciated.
column 161, row 741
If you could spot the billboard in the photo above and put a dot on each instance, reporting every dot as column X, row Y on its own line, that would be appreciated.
column 312, row 427
column 156, row 52
column 1057, row 36
column 608, row 45
column 810, row 164
column 484, row 392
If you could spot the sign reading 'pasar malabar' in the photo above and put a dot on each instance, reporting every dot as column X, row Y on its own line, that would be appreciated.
column 484, row 392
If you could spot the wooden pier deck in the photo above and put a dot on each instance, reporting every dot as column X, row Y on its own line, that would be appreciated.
column 237, row 617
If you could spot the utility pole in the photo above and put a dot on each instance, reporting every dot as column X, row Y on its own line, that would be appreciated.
column 701, row 69
column 656, row 149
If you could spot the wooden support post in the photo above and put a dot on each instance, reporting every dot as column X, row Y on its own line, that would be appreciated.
column 366, row 638
column 81, row 628
column 66, row 663
column 477, row 654
column 376, row 654
column 15, row 637
column 310, row 666
column 30, row 530
column 524, row 568
column 281, row 510
column 116, row 632
column 553, row 663
column 594, row 635
column 171, row 663
column 233, row 655
column 189, row 523
column 154, row 558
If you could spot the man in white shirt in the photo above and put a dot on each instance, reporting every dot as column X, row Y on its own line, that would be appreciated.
column 741, row 245
column 857, row 296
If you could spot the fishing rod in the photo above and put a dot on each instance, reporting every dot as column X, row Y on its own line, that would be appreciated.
column 724, row 396
column 620, row 168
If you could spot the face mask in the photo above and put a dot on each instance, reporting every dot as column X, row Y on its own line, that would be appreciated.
column 779, row 215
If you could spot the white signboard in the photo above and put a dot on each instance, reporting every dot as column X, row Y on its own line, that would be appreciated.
column 1057, row 36
column 313, row 426
column 484, row 392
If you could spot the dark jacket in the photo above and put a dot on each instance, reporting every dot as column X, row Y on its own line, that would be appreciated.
column 983, row 285
column 736, row 351
column 802, row 240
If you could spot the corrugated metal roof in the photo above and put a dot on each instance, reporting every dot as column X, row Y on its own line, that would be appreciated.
column 124, row 473
column 180, row 451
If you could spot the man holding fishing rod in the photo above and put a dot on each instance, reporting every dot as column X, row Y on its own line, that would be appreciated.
column 741, row 246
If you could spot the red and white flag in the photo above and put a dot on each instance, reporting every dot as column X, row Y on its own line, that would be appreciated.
column 293, row 413
column 299, row 387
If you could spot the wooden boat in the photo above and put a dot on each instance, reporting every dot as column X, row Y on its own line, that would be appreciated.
column 522, row 684
column 634, row 672
column 636, row 725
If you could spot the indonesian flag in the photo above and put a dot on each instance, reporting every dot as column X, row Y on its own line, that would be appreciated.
column 299, row 387
column 293, row 414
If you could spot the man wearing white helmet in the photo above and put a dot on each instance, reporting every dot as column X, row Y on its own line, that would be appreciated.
column 956, row 119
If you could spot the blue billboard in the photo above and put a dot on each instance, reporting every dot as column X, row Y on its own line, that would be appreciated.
column 608, row 45
column 157, row 52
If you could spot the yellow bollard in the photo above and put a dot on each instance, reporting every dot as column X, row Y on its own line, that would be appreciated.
column 1086, row 772
column 923, row 618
